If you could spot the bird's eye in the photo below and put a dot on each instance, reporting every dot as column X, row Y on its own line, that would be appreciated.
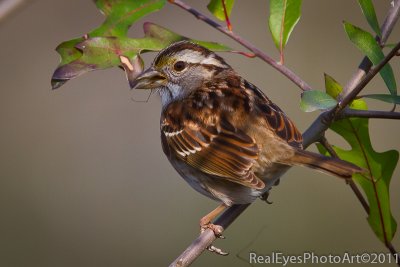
column 179, row 66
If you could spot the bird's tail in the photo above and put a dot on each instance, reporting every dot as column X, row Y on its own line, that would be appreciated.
column 325, row 164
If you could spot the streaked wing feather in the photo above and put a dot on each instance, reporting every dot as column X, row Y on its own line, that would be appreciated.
column 228, row 153
column 276, row 118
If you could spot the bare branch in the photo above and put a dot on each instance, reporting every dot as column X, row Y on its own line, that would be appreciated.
column 314, row 132
column 207, row 237
column 325, row 143
column 350, row 182
column 8, row 7
column 376, row 114
column 392, row 250
column 281, row 68
column 367, row 78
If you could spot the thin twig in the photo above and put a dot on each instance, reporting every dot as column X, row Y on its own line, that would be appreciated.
column 8, row 7
column 281, row 68
column 359, row 195
column 393, row 251
column 325, row 143
column 376, row 114
column 321, row 124
column 367, row 78
column 365, row 65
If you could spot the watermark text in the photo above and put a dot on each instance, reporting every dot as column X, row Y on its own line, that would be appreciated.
column 313, row 258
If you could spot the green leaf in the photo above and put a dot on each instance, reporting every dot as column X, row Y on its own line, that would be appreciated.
column 217, row 47
column 168, row 37
column 68, row 54
column 283, row 17
column 316, row 100
column 217, row 9
column 394, row 99
column 121, row 14
column 380, row 166
column 162, row 34
column 332, row 87
column 367, row 44
column 368, row 9
column 105, row 52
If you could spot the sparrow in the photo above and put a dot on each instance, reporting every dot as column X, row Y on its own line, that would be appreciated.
column 221, row 133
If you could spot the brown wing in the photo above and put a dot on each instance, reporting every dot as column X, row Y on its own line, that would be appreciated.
column 276, row 118
column 224, row 152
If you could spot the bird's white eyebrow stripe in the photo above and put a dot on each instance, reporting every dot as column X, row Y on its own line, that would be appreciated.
column 213, row 61
column 196, row 57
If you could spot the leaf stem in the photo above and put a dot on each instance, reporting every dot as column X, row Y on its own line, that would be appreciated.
column 282, row 57
column 260, row 54
column 228, row 22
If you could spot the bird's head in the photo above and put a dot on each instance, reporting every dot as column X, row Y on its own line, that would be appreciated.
column 179, row 69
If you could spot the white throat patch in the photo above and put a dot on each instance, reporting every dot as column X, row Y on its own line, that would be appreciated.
column 172, row 92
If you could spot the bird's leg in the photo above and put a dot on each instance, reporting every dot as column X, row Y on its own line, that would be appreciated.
column 205, row 223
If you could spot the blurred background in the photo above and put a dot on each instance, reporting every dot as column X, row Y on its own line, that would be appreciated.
column 83, row 179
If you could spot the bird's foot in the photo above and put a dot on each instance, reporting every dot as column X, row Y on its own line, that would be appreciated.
column 217, row 229
column 205, row 223
column 264, row 197
column 217, row 250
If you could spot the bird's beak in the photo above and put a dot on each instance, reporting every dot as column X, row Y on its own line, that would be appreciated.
column 149, row 79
